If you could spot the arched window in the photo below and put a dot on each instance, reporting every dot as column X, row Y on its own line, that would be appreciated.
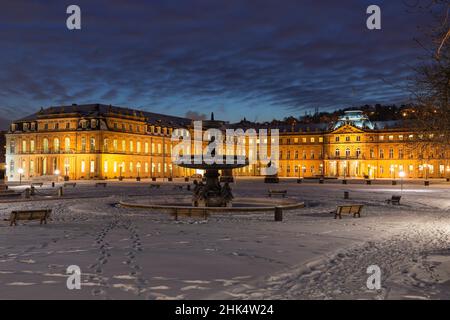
column 67, row 144
column 45, row 145
column 56, row 144
column 347, row 152
column 337, row 153
column 358, row 152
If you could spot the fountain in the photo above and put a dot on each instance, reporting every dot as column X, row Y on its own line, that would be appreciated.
column 212, row 196
column 212, row 193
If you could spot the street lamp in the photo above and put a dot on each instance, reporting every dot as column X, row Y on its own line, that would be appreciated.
column 20, row 171
column 120, row 171
column 401, row 175
column 66, row 168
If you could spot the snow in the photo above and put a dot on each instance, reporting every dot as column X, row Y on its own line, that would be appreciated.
column 127, row 253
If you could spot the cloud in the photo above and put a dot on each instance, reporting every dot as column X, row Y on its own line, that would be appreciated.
column 269, row 58
column 194, row 115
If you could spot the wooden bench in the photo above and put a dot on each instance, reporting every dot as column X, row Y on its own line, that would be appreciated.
column 394, row 200
column 35, row 184
column 155, row 186
column 42, row 215
column 98, row 184
column 72, row 184
column 277, row 192
column 189, row 212
column 354, row 209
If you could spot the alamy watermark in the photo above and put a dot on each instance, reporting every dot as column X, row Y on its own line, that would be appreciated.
column 231, row 146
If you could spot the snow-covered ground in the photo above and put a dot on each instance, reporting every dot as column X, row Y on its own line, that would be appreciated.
column 138, row 254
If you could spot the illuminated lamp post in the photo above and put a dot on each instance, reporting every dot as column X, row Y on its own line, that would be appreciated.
column 66, row 170
column 138, row 167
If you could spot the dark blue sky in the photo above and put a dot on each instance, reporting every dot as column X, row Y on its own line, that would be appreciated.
column 259, row 59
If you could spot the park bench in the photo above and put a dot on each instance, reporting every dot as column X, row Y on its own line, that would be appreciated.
column 41, row 214
column 98, row 184
column 35, row 184
column 70, row 184
column 354, row 209
column 394, row 200
column 189, row 212
column 277, row 192
column 155, row 186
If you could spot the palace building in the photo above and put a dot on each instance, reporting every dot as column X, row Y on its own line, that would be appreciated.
column 105, row 142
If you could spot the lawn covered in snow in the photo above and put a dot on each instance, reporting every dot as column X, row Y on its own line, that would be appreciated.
column 129, row 253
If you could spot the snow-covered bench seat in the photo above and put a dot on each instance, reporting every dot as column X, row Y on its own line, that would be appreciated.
column 394, row 200
column 277, row 192
column 354, row 209
column 41, row 214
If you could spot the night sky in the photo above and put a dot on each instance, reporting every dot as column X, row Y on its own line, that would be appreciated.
column 259, row 59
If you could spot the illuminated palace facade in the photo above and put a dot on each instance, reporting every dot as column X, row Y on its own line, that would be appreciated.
column 106, row 142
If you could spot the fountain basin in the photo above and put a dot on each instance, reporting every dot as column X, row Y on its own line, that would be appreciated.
column 249, row 205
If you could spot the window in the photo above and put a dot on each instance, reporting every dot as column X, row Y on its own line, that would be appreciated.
column 372, row 154
column 358, row 153
column 45, row 145
column 320, row 139
column 115, row 127
column 146, row 147
column 347, row 152
column 400, row 137
column 115, row 145
column 347, row 138
column 67, row 144
column 313, row 140
column 304, row 154
column 312, row 155
column 381, row 154
column 400, row 153
column 410, row 137
column 105, row 145
column 159, row 148
column 105, row 166
column 138, row 147
column 358, row 138
column 337, row 153
column 131, row 146
column 92, row 166
column 92, row 144
column 391, row 153
column 67, row 125
column 56, row 145
column 153, row 148
column 57, row 126
column 304, row 140
column 288, row 155
column 115, row 166
column 32, row 146
column 337, row 139
column 296, row 154
column 83, row 166
column 131, row 166
column 46, row 126
column 24, row 146
column 83, row 144
column 146, row 167
column 31, row 167
column 124, row 146
column 12, row 146
column 381, row 138
column 11, row 167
